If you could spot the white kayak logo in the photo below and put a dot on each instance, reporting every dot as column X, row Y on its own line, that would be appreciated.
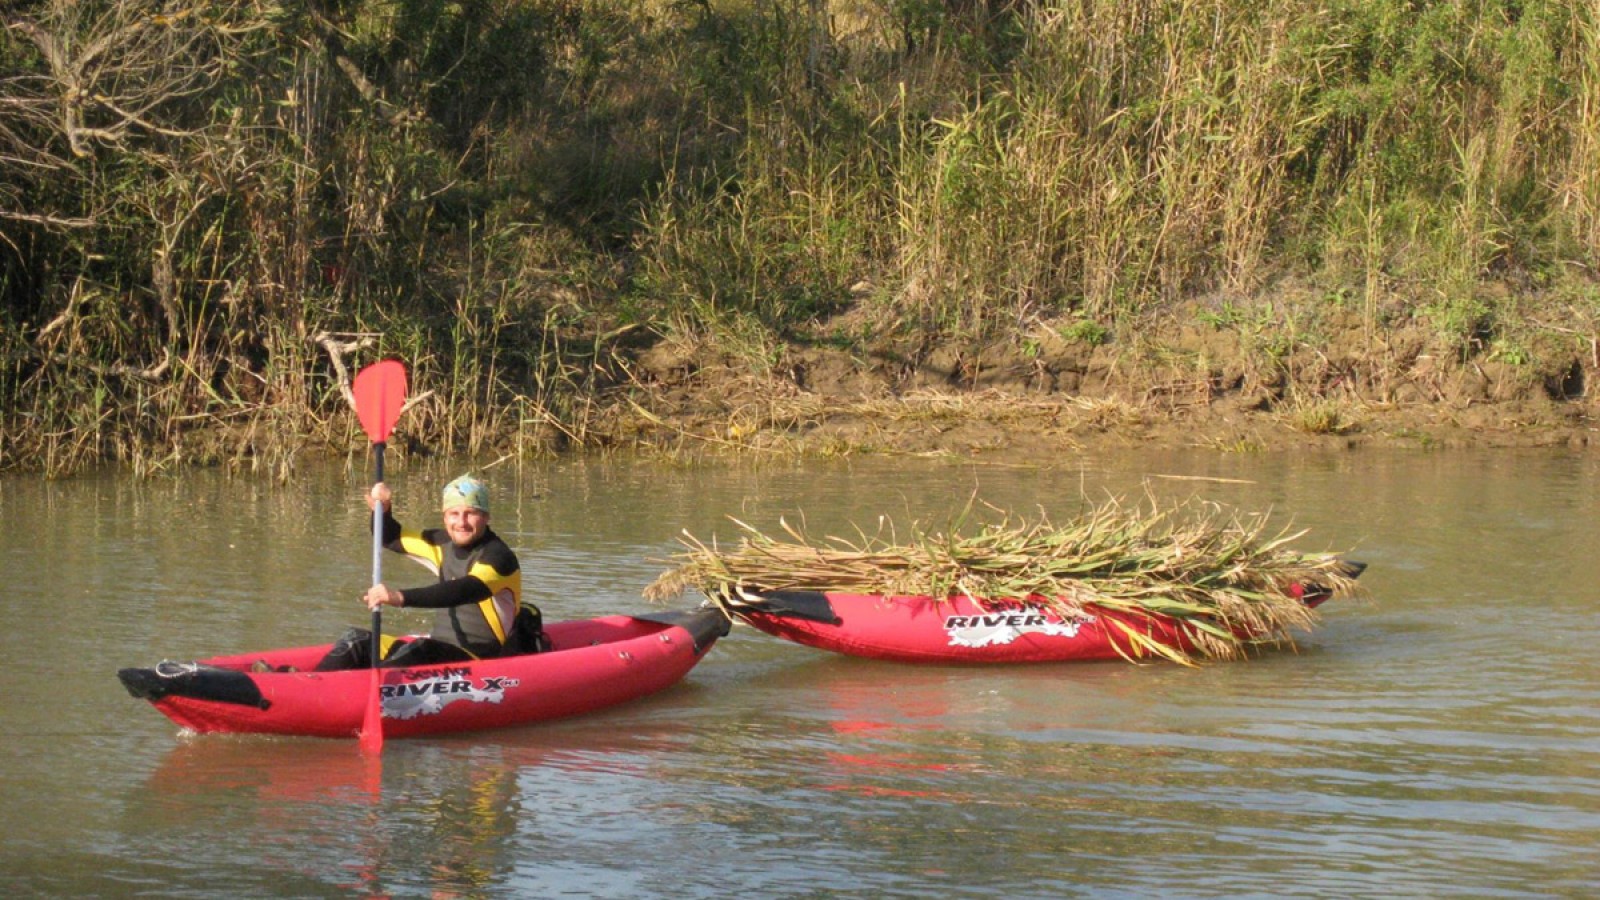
column 996, row 628
column 429, row 696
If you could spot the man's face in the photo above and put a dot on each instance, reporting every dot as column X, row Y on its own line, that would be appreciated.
column 465, row 524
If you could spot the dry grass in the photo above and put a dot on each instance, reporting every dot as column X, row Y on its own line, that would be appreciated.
column 1225, row 579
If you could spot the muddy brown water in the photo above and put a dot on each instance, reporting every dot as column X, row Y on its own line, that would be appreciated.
column 1442, row 739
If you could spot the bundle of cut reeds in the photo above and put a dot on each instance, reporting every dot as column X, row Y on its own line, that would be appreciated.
column 1228, row 582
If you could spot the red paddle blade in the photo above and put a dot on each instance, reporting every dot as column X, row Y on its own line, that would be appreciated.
column 380, row 392
column 372, row 721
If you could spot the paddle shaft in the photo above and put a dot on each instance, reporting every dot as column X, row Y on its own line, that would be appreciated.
column 377, row 559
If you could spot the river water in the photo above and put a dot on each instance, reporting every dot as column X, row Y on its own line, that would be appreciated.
column 1439, row 739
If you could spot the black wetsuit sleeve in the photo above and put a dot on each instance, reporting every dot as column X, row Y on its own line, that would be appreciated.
column 391, row 530
column 456, row 592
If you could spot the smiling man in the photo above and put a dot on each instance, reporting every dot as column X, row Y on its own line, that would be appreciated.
column 478, row 597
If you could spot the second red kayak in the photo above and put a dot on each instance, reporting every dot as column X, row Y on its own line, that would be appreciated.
column 958, row 629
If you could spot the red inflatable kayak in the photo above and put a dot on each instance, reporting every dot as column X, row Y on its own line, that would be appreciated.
column 957, row 629
column 593, row 664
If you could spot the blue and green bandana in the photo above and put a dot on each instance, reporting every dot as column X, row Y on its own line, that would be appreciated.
column 466, row 491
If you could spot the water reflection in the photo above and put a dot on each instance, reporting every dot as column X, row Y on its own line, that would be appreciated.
column 303, row 811
column 444, row 818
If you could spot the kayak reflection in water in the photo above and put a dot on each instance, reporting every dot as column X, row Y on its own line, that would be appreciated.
column 480, row 613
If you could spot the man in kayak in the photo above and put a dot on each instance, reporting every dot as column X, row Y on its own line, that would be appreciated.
column 478, row 598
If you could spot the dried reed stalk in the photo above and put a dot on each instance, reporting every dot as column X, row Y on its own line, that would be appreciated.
column 1225, row 580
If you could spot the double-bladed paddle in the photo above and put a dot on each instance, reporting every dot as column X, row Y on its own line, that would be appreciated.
column 380, row 394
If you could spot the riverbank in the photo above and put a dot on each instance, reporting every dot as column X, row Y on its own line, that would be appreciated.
column 1189, row 379
column 1278, row 372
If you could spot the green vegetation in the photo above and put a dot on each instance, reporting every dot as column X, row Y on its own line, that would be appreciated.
column 203, row 206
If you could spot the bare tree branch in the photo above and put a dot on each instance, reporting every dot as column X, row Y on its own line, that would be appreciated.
column 337, row 350
column 116, row 70
column 45, row 219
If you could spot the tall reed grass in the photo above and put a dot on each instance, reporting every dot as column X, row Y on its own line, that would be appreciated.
column 516, row 196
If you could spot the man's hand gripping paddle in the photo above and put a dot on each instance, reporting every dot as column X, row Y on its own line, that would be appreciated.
column 380, row 394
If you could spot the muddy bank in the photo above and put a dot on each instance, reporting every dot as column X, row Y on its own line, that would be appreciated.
column 1188, row 380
